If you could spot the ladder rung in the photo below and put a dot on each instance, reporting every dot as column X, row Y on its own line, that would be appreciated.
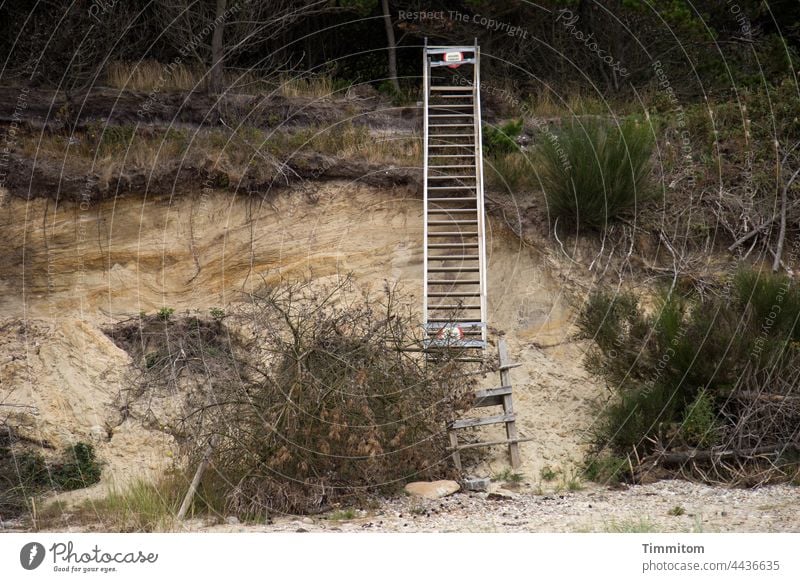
column 469, row 422
column 455, row 258
column 452, row 210
column 467, row 96
column 490, row 444
column 453, row 269
column 461, row 234
column 451, row 245
column 453, row 307
column 462, row 323
column 438, row 115
column 449, row 343
column 500, row 390
column 449, row 222
column 452, row 294
column 451, row 88
column 453, row 199
column 451, row 166
column 451, row 187
column 451, row 145
column 449, row 135
column 451, row 125
column 455, row 282
column 450, row 177
column 451, row 155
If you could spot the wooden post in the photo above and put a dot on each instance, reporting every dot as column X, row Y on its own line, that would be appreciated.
column 454, row 445
column 187, row 500
column 508, row 405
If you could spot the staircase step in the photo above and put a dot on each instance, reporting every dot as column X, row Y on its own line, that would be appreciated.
column 455, row 282
column 451, row 166
column 449, row 222
column 490, row 397
column 454, row 294
column 459, row 234
column 452, row 245
column 470, row 422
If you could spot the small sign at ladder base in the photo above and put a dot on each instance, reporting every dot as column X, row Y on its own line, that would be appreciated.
column 450, row 333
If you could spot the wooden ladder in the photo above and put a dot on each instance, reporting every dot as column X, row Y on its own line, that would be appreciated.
column 454, row 286
column 499, row 396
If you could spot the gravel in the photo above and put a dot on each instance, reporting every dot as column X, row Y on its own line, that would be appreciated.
column 666, row 506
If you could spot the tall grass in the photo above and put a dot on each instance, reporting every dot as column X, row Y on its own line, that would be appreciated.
column 146, row 506
column 593, row 172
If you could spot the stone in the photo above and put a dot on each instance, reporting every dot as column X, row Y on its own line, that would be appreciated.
column 476, row 483
column 232, row 520
column 432, row 489
column 497, row 493
column 308, row 521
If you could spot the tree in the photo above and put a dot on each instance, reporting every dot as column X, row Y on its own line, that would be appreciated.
column 233, row 27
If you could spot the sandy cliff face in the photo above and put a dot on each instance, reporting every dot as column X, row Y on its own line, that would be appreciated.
column 67, row 271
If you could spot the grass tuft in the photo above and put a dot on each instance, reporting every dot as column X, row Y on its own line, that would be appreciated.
column 593, row 172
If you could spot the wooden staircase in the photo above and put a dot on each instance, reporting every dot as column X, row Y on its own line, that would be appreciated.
column 491, row 397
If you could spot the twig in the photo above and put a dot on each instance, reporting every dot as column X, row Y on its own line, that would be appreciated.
column 782, row 235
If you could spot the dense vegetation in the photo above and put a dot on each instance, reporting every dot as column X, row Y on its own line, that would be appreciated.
column 717, row 376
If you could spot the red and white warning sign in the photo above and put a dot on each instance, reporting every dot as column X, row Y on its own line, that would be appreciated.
column 450, row 333
column 454, row 57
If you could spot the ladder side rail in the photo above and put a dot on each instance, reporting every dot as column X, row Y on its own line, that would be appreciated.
column 425, row 92
column 480, row 196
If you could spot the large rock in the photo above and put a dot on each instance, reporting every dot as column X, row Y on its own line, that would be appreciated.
column 432, row 489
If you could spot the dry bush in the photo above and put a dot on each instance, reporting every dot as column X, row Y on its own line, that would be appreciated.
column 314, row 401
column 341, row 409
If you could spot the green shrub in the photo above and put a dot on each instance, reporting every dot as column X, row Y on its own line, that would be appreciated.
column 79, row 470
column 593, row 172
column 699, row 426
column 683, row 373
column 606, row 469
column 165, row 313
column 503, row 139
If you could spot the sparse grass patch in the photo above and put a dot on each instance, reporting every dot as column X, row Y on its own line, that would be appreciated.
column 508, row 475
column 512, row 172
column 640, row 525
column 342, row 515
column 548, row 474
column 676, row 511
